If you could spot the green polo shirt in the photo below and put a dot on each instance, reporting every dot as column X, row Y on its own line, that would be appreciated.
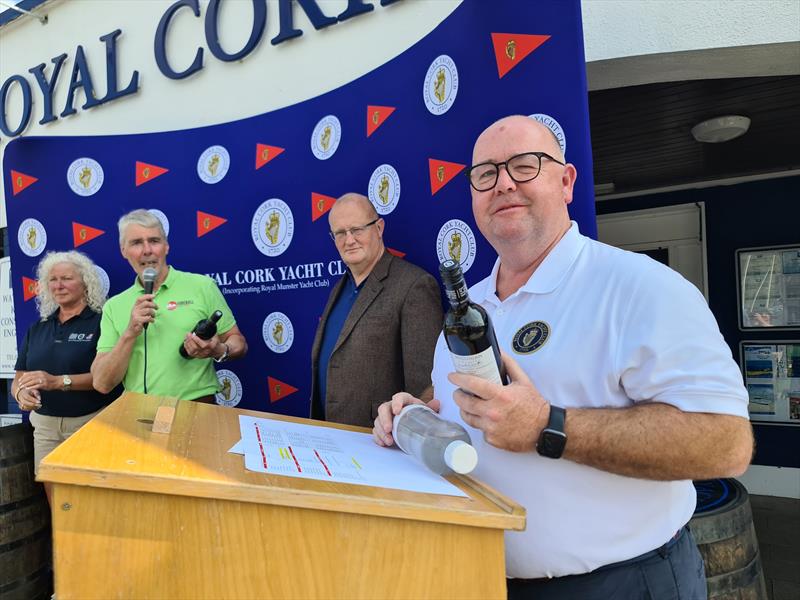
column 183, row 300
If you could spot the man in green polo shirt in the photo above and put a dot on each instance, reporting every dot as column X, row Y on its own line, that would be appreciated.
column 179, row 300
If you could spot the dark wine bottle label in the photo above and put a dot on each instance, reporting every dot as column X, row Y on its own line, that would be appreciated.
column 483, row 364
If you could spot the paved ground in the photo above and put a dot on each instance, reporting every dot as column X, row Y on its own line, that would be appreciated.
column 777, row 523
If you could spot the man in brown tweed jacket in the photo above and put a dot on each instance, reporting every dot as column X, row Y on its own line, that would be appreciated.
column 378, row 331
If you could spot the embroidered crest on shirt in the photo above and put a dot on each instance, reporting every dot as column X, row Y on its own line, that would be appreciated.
column 530, row 337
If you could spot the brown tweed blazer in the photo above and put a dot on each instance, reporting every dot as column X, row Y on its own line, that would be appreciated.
column 386, row 344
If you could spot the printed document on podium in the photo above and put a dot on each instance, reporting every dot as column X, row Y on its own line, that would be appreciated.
column 329, row 454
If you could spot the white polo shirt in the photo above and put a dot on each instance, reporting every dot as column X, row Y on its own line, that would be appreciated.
column 620, row 329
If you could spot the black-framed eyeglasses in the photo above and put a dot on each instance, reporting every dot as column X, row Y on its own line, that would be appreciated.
column 356, row 232
column 521, row 168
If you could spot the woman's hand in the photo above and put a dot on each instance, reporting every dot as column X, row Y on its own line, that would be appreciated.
column 28, row 399
column 40, row 380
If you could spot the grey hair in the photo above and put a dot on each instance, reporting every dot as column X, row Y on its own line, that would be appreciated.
column 142, row 217
column 94, row 295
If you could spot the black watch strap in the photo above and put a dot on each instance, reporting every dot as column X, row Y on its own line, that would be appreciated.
column 553, row 439
column 557, row 418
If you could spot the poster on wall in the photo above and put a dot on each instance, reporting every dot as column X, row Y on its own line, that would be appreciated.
column 8, row 335
column 772, row 375
column 769, row 287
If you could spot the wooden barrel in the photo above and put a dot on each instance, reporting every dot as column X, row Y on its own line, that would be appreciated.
column 722, row 526
column 24, row 520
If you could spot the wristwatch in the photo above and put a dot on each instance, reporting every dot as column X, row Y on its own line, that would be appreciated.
column 552, row 440
column 224, row 356
column 66, row 383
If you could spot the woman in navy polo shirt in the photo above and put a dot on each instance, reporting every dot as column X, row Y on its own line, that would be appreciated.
column 52, row 372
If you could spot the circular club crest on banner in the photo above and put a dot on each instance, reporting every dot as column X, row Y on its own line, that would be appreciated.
column 31, row 237
column 553, row 126
column 278, row 332
column 105, row 282
column 441, row 85
column 230, row 388
column 85, row 176
column 161, row 217
column 326, row 137
column 384, row 189
column 456, row 242
column 213, row 164
column 272, row 227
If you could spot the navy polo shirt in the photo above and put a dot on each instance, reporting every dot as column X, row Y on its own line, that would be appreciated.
column 65, row 349
column 333, row 327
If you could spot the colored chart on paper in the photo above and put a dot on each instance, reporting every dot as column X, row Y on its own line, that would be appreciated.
column 328, row 454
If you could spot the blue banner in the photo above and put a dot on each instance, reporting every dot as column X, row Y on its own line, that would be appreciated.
column 246, row 202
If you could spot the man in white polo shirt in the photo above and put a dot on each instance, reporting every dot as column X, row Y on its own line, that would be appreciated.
column 622, row 390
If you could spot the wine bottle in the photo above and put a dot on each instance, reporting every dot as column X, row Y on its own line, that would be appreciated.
column 468, row 330
column 205, row 330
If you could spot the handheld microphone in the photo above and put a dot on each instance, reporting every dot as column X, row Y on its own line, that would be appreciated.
column 148, row 280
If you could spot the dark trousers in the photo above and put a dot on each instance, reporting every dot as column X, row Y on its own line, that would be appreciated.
column 672, row 572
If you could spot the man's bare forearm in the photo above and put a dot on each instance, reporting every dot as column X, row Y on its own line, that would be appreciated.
column 235, row 341
column 109, row 368
column 658, row 441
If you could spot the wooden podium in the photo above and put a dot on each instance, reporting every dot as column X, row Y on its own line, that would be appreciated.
column 138, row 514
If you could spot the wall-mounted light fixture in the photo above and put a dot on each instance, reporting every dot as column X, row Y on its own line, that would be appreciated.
column 721, row 129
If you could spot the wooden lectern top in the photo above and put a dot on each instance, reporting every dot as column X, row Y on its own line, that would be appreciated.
column 118, row 450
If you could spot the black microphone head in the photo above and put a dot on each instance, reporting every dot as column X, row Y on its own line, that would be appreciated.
column 148, row 279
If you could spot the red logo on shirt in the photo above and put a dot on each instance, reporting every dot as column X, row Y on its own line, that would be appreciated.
column 172, row 305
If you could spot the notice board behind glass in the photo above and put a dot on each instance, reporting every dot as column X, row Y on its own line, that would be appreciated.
column 769, row 287
column 772, row 376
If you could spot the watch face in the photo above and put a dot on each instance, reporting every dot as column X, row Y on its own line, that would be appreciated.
column 552, row 443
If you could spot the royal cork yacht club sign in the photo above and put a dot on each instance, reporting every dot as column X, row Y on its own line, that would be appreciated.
column 36, row 86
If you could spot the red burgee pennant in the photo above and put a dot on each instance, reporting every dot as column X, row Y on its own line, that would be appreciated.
column 146, row 172
column 320, row 204
column 278, row 390
column 19, row 181
column 376, row 115
column 397, row 253
column 29, row 288
column 83, row 233
column 265, row 153
column 442, row 172
column 207, row 222
column 511, row 48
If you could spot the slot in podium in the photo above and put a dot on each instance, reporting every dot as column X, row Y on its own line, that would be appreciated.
column 139, row 514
